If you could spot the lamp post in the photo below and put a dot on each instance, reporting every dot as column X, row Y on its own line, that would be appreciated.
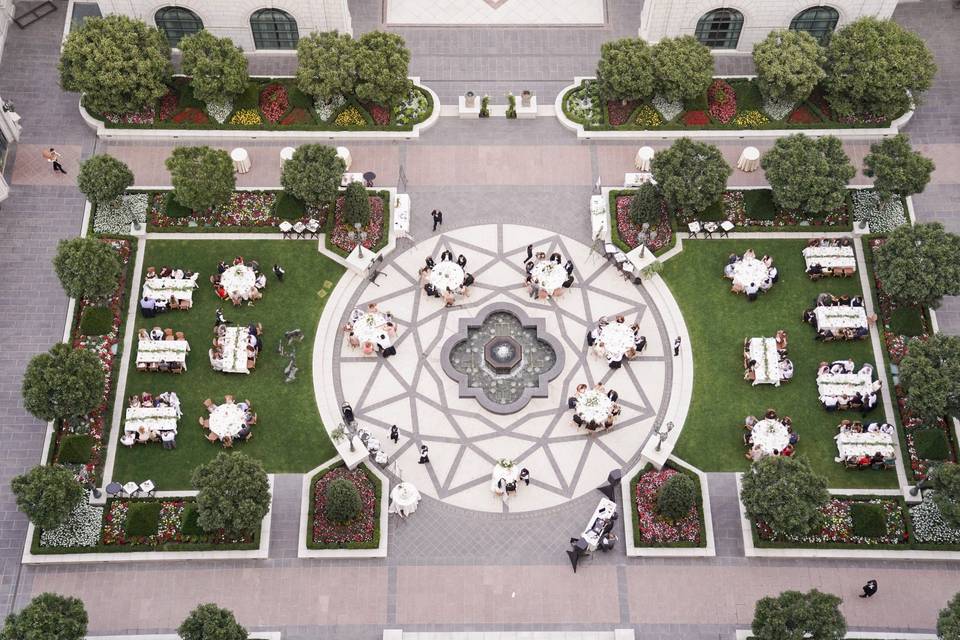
column 643, row 236
column 358, row 237
column 661, row 432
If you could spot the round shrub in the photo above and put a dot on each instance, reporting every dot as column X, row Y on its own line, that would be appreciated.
column 645, row 205
column 87, row 268
column 47, row 495
column 210, row 622
column 869, row 520
column 96, row 321
column 677, row 495
column 103, row 178
column 143, row 519
column 343, row 501
column 62, row 383
column 49, row 616
column 356, row 204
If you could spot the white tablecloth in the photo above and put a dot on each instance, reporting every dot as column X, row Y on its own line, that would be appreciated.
column 616, row 337
column 234, row 345
column 844, row 384
column 404, row 498
column 447, row 274
column 771, row 435
column 749, row 271
column 830, row 257
column 549, row 275
column 238, row 280
column 605, row 510
column 860, row 444
column 370, row 327
column 226, row 420
column 594, row 406
column 162, row 351
column 502, row 473
column 764, row 352
column 151, row 419
column 164, row 288
column 840, row 317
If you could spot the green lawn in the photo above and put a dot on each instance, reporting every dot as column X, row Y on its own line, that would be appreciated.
column 289, row 436
column 719, row 320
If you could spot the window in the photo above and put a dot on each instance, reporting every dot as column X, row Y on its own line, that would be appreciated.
column 817, row 21
column 176, row 22
column 274, row 29
column 720, row 28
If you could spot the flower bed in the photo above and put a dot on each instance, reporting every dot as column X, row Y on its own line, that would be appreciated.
column 929, row 527
column 652, row 530
column 584, row 105
column 625, row 232
column 618, row 111
column 338, row 232
column 364, row 531
column 274, row 102
column 116, row 218
column 722, row 101
column 882, row 217
column 245, row 209
column 733, row 207
column 838, row 530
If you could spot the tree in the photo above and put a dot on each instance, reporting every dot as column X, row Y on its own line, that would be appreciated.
column 789, row 65
column 202, row 177
column 47, row 495
column 327, row 64
column 948, row 622
column 919, row 264
column 63, row 383
column 343, row 501
column 645, row 205
column 210, row 622
column 234, row 494
column 945, row 481
column 217, row 67
column 785, row 494
column 87, row 268
column 676, row 496
column 683, row 68
column 896, row 169
column 383, row 62
column 120, row 64
column 313, row 174
column 797, row 616
column 103, row 178
column 625, row 69
column 930, row 373
column 808, row 174
column 872, row 64
column 691, row 175
column 356, row 204
column 48, row 616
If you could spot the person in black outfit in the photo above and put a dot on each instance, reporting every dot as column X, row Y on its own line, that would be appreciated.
column 676, row 346
column 389, row 351
column 525, row 476
column 568, row 267
column 424, row 458
column 430, row 290
column 556, row 258
column 430, row 263
column 641, row 343
column 529, row 253
column 568, row 282
column 528, row 266
column 869, row 589
column 279, row 272
column 468, row 280
column 462, row 261
column 437, row 218
column 571, row 403
column 613, row 395
column 394, row 434
column 219, row 318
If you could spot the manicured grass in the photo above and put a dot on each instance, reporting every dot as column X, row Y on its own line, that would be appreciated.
column 96, row 321
column 869, row 520
column 907, row 321
column 75, row 449
column 143, row 518
column 719, row 320
column 931, row 444
column 289, row 436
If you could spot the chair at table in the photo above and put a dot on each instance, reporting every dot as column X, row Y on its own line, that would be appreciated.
column 204, row 423
column 141, row 366
column 850, row 464
column 209, row 404
column 147, row 488
column 693, row 228
column 299, row 228
column 709, row 228
column 286, row 229
column 179, row 335
column 725, row 228
column 313, row 228
column 212, row 437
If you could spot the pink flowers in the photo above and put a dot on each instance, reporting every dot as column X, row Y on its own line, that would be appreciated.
column 619, row 113
column 653, row 528
column 629, row 232
column 274, row 102
column 341, row 232
column 838, row 525
column 359, row 530
column 722, row 100
column 244, row 209
column 380, row 114
column 168, row 105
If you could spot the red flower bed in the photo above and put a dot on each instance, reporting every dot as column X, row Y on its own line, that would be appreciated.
column 630, row 232
column 191, row 115
column 297, row 115
column 696, row 118
column 274, row 102
column 340, row 236
column 169, row 527
column 802, row 115
column 168, row 105
column 619, row 113
column 820, row 101
column 379, row 113
column 722, row 101
column 655, row 529
column 359, row 530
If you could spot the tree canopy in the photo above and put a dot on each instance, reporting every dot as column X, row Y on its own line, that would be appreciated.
column 785, row 493
column 930, row 374
column 896, row 169
column 217, row 67
column 234, row 494
column 103, row 178
column 789, row 65
column 691, row 175
column 121, row 65
column 327, row 64
column 87, row 268
column 313, row 174
column 808, row 174
column 683, row 68
column 872, row 64
column 625, row 69
column 210, row 622
column 945, row 481
column 919, row 264
column 383, row 62
column 948, row 622
column 47, row 495
column 63, row 383
column 798, row 616
column 202, row 177
column 48, row 616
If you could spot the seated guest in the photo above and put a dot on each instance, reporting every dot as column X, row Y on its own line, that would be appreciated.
column 781, row 339
column 134, row 401
column 732, row 258
column 446, row 255
column 148, row 307
column 873, row 427
column 773, row 274
column 794, row 438
column 568, row 267
column 755, row 453
column 556, row 258
column 165, row 272
column 431, row 290
column 786, row 369
column 887, row 428
column 809, row 316
column 581, row 388
column 222, row 267
column 829, row 402
column 787, row 451
column 630, row 353
column 169, row 439
column 253, row 264
column 864, row 460
column 824, row 300
column 430, row 263
column 856, row 301
column 815, row 270
column 238, row 260
column 468, row 280
column 592, row 336
column 568, row 282
column 243, row 433
column 151, row 273
column 770, row 414
column 260, row 282
column 749, row 254
column 751, row 290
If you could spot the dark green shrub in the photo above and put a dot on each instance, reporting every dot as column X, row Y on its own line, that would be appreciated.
column 143, row 518
column 76, row 449
column 713, row 212
column 869, row 520
column 676, row 496
column 185, row 94
column 289, row 207
column 356, row 205
column 174, row 209
column 343, row 501
column 759, row 205
column 96, row 321
column 299, row 98
column 250, row 98
column 748, row 95
column 189, row 519
column 645, row 205
column 907, row 321
column 931, row 444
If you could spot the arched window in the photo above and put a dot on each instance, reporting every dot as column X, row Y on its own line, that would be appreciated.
column 176, row 22
column 274, row 29
column 817, row 21
column 720, row 28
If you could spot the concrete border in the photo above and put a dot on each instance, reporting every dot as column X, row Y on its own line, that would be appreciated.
column 102, row 131
column 738, row 134
column 629, row 544
column 256, row 635
column 261, row 552
column 305, row 496
column 745, row 634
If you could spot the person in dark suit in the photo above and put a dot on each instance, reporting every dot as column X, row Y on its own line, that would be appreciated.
column 468, row 280
column 641, row 343
column 437, row 216
column 446, row 255
column 430, row 263
column 529, row 253
column 462, row 261
column 525, row 476
column 676, row 346
column 556, row 258
column 869, row 589
column 568, row 267
column 394, row 434
column 424, row 458
column 279, row 272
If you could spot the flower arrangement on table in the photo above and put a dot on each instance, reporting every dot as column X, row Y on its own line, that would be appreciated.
column 360, row 529
column 506, row 463
column 838, row 525
column 274, row 101
column 721, row 101
column 654, row 528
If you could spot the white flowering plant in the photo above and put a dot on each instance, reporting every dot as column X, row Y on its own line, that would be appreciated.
column 220, row 111
column 116, row 217
column 929, row 527
column 585, row 104
column 82, row 528
column 882, row 217
column 412, row 109
column 325, row 109
column 669, row 109
column 778, row 109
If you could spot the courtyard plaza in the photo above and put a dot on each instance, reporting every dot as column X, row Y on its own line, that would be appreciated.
column 465, row 557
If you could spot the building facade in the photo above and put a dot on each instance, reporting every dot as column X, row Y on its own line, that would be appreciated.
column 734, row 26
column 254, row 25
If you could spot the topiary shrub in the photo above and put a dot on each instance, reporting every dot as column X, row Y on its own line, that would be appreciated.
column 76, row 449
column 869, row 520
column 143, row 519
column 48, row 617
column 645, row 205
column 356, row 205
column 174, row 209
column 288, row 207
column 96, row 321
column 343, row 501
column 931, row 444
column 677, row 495
column 191, row 520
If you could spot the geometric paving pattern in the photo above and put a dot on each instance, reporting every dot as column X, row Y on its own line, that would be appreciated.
column 412, row 391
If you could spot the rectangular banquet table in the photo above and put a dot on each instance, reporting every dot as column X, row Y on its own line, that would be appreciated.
column 844, row 384
column 151, row 419
column 234, row 344
column 163, row 288
column 860, row 444
column 162, row 351
column 601, row 515
column 763, row 351
column 841, row 317
column 830, row 257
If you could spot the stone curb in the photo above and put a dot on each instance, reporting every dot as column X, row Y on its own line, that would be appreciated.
column 744, row 634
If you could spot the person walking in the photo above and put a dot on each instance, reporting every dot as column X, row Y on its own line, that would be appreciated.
column 437, row 216
column 394, row 434
column 279, row 272
column 53, row 156
column 424, row 458
column 676, row 346
column 869, row 589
